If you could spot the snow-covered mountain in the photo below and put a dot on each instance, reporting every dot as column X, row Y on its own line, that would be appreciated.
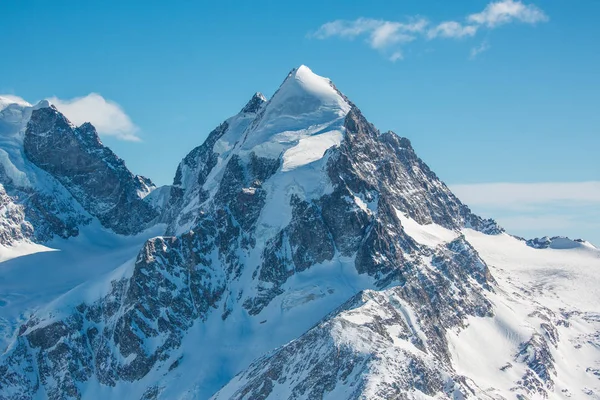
column 307, row 255
column 56, row 178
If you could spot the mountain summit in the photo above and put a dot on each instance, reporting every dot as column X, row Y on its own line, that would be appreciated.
column 307, row 255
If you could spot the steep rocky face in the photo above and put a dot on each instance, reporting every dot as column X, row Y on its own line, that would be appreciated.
column 27, row 214
column 188, row 191
column 91, row 172
column 57, row 178
column 370, row 160
column 370, row 348
column 381, row 344
column 296, row 219
column 109, row 339
column 13, row 226
column 35, row 206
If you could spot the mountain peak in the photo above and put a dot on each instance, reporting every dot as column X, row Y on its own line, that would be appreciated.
column 305, row 105
column 302, row 69
column 98, row 180
column 303, row 82
column 43, row 104
column 255, row 103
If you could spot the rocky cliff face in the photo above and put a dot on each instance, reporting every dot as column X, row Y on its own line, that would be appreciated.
column 310, row 254
column 381, row 344
column 91, row 172
column 28, row 214
column 35, row 206
column 56, row 178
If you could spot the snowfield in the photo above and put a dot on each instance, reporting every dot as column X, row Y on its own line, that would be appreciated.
column 32, row 276
column 535, row 286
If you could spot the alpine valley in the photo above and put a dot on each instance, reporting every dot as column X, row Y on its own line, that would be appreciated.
column 300, row 253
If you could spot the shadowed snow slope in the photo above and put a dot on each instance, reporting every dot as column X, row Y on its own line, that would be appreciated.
column 309, row 256
column 36, row 274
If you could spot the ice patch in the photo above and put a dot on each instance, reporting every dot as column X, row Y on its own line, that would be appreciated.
column 18, row 177
column 21, row 249
column 430, row 235
column 484, row 350
column 555, row 286
column 310, row 149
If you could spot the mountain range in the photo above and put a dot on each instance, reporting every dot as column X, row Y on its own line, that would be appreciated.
column 300, row 253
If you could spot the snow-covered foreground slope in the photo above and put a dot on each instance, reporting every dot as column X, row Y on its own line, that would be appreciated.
column 33, row 275
column 311, row 256
column 550, row 294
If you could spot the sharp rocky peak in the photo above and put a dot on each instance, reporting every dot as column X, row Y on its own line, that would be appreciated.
column 44, row 104
column 91, row 172
column 309, row 128
column 59, row 176
column 254, row 104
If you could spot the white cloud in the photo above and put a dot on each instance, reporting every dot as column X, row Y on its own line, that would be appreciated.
column 519, row 195
column 107, row 116
column 477, row 50
column 380, row 34
column 6, row 99
column 396, row 56
column 505, row 11
column 379, row 30
column 538, row 209
column 451, row 29
column 346, row 29
column 547, row 224
column 388, row 36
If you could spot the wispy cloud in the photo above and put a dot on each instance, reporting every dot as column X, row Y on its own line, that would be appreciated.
column 389, row 33
column 388, row 37
column 548, row 224
column 523, row 194
column 108, row 117
column 380, row 34
column 6, row 99
column 397, row 55
column 538, row 209
column 506, row 11
column 451, row 29
column 477, row 50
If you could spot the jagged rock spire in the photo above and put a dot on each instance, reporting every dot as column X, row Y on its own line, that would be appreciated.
column 255, row 103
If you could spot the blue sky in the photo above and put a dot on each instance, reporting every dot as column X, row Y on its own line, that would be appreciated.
column 507, row 92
